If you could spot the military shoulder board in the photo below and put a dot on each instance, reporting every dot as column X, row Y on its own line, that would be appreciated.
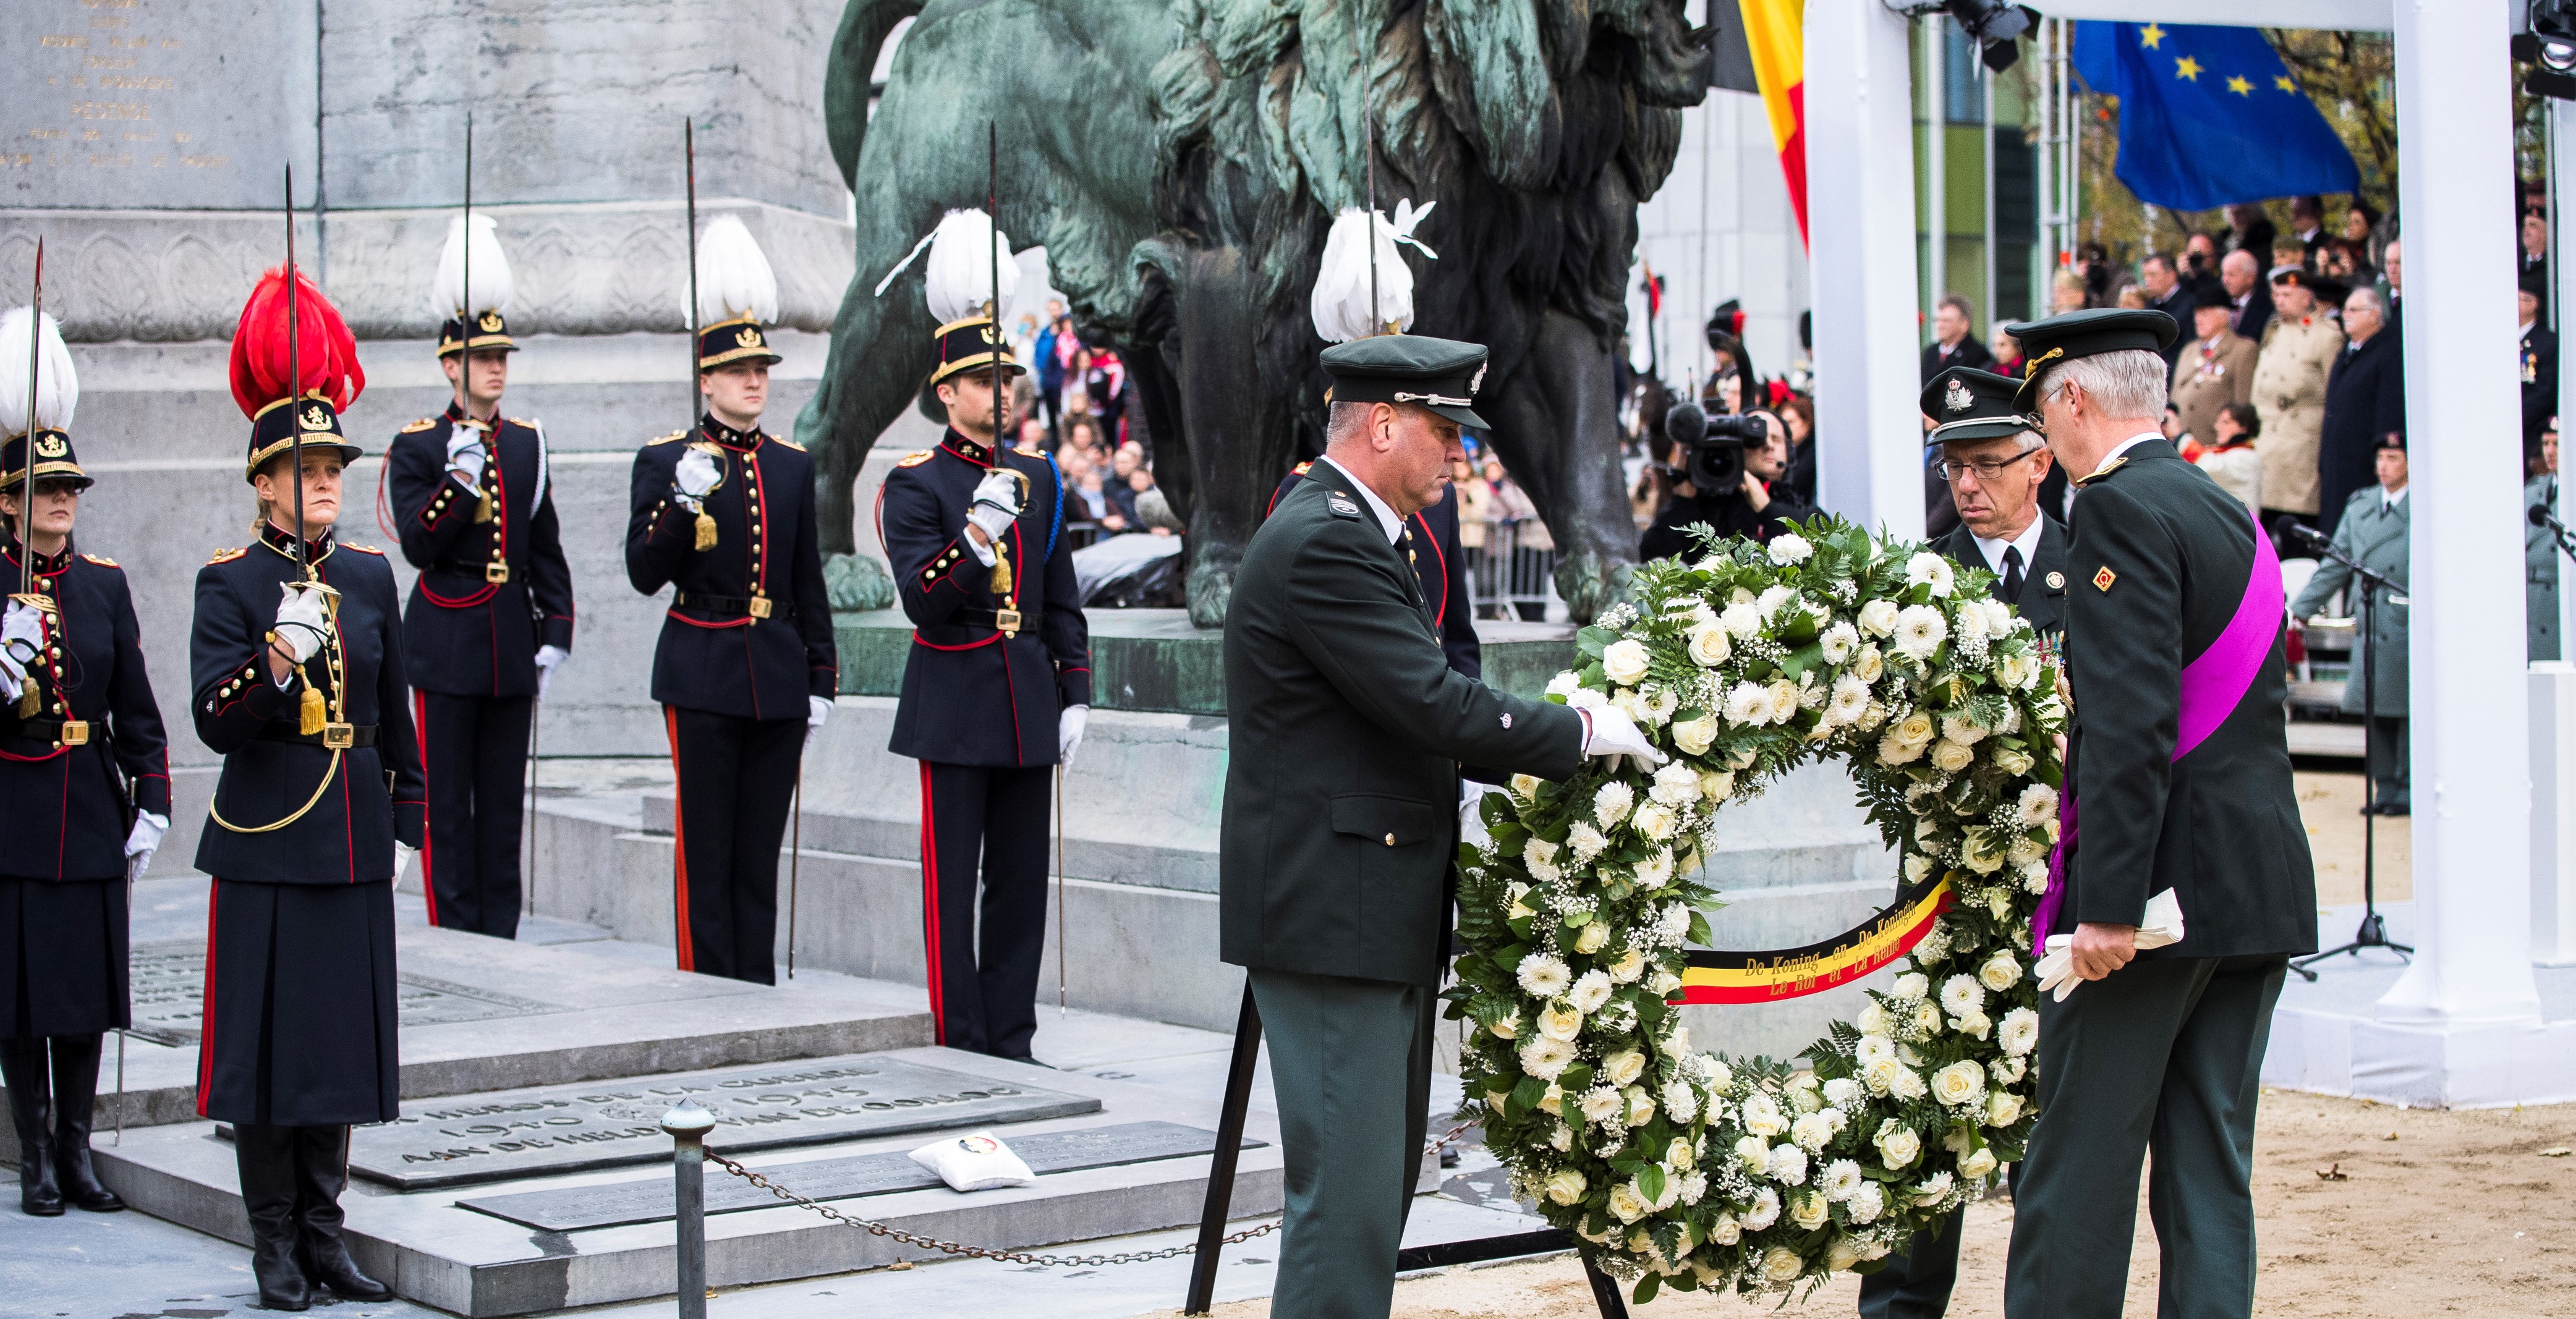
column 1341, row 503
column 100, row 560
column 362, row 549
column 227, row 556
column 421, row 425
column 1299, row 469
column 913, row 459
column 666, row 439
column 781, row 439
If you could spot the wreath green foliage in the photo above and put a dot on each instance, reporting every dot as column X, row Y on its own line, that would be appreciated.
column 1688, row 1169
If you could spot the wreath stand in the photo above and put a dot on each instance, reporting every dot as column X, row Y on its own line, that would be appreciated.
column 1220, row 1198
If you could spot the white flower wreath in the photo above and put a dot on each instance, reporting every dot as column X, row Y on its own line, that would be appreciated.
column 1694, row 1171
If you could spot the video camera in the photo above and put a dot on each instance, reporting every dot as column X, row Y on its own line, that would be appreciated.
column 1709, row 451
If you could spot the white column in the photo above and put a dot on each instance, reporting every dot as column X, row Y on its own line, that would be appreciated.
column 1936, row 163
column 2472, row 769
column 1860, row 215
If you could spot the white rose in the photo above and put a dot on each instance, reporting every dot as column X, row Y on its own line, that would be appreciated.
column 1927, row 1019
column 1765, row 1210
column 1898, row 1145
column 1641, row 1106
column 1624, row 661
column 1787, row 1165
column 1626, row 967
column 2001, row 971
column 1754, row 1153
column 1878, row 618
column 1917, row 868
column 1626, row 1205
column 1812, row 1132
column 1564, row 683
column 1929, row 569
column 1790, row 548
column 1809, row 1210
column 1762, row 1115
column 1679, row 1156
column 1611, row 801
column 1932, row 1190
column 2015, row 671
column 1781, row 1264
column 1709, row 646
column 2020, row 1031
column 1950, row 757
column 1591, row 991
column 2025, row 851
column 1559, row 1022
column 1726, row 1231
column 1543, row 977
column 2007, row 1070
column 1717, row 784
column 1962, row 1082
column 1545, row 1058
column 1624, row 1066
column 2013, row 762
column 1525, row 786
column 1663, row 982
column 1869, row 663
column 1977, row 1164
column 1566, row 1185
column 1693, row 736
column 1655, row 821
column 1961, row 994
column 1974, row 1025
column 1508, row 1028
column 2003, row 1108
column 1842, row 1253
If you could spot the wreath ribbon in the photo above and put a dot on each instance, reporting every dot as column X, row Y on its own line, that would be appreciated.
column 1783, row 973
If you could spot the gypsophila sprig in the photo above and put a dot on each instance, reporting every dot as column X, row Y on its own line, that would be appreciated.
column 1702, row 1172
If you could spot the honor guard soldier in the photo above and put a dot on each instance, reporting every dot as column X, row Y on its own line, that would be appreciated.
column 295, row 660
column 746, row 667
column 1341, row 820
column 2177, row 778
column 490, row 616
column 997, row 687
column 1430, row 544
column 84, row 787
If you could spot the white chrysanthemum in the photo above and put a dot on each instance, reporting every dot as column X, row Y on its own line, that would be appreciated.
column 1775, row 598
column 1907, row 1084
column 2001, row 971
column 1681, row 1102
column 1842, row 1092
column 1790, row 547
column 1871, row 1050
column 2034, row 876
column 1544, row 872
column 1709, row 646
column 1912, row 984
column 1626, row 967
column 1932, row 1190
column 1762, row 1115
column 1971, row 624
column 1743, row 620
column 1920, row 630
column 1602, row 1103
column 1590, row 992
column 1811, row 1132
column 1610, row 803
column 1655, row 820
column 1748, row 703
column 1657, row 869
column 1625, row 661
column 1866, row 1203
column 1839, row 643
column 1839, row 1180
column 1675, row 784
column 1657, row 707
column 1586, row 841
column 1544, row 1058
column 1787, row 1165
column 1538, row 849
column 2038, row 805
column 1961, row 995
column 1765, row 1211
column 1561, row 1139
column 1560, row 1022
column 1543, row 977
column 1929, row 569
column 1849, row 701
column 1564, row 683
column 1961, row 729
column 2019, row 1033
column 1674, row 922
column 1586, row 698
column 2000, row 618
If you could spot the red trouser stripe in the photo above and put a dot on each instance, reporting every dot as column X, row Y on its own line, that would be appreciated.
column 930, row 905
column 680, row 841
column 428, row 836
column 206, row 1006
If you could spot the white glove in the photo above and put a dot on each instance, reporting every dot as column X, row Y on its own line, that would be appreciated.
column 2162, row 925
column 22, row 639
column 1068, row 731
column 997, row 504
column 1613, row 733
column 465, row 456
column 303, row 620
column 143, row 842
column 697, row 475
column 817, row 709
column 403, row 853
column 549, row 658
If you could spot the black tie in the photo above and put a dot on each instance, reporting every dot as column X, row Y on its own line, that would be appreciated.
column 2010, row 590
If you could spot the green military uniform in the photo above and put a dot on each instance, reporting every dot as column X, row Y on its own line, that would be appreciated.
column 2373, row 530
column 2166, row 1052
column 1341, row 823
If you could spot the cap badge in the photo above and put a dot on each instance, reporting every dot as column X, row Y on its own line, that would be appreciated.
column 490, row 323
column 51, row 446
column 985, row 332
column 2102, row 580
column 1472, row 386
column 1958, row 399
column 748, row 338
column 1507, row 718
column 2056, row 581
column 315, row 418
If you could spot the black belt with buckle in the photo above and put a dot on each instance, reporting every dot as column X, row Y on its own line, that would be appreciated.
column 60, row 732
column 1007, row 621
column 758, row 606
column 496, row 571
column 335, row 736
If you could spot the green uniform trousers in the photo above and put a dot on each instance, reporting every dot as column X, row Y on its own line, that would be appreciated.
column 1350, row 1062
column 2162, row 1054
column 1916, row 1284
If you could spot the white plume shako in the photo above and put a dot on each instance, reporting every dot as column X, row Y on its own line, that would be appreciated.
column 449, row 298
column 734, row 278
column 959, row 277
column 57, row 384
column 1342, row 301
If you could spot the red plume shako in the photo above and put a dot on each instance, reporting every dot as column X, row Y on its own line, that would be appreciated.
column 326, row 379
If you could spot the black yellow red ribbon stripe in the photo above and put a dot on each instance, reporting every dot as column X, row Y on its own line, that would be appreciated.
column 1769, row 976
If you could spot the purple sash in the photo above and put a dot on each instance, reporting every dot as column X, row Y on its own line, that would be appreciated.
column 2212, row 687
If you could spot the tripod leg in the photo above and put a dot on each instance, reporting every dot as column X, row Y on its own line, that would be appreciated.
column 1229, row 1146
column 795, row 848
column 528, row 822
column 1605, row 1291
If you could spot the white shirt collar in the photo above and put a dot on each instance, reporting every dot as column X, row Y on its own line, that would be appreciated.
column 2125, row 445
column 2027, row 542
column 2387, row 500
column 1386, row 517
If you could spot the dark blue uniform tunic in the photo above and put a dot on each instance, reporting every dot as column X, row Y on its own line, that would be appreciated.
column 300, row 1009
column 71, row 777
column 984, row 688
column 491, row 591
column 746, row 642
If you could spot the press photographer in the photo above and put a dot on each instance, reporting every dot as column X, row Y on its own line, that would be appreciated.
column 1729, row 474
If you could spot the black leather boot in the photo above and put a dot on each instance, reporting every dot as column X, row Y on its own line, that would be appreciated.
column 321, row 1174
column 266, row 1156
column 22, row 1069
column 75, row 1099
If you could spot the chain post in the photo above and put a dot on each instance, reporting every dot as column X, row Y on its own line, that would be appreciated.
column 688, row 1125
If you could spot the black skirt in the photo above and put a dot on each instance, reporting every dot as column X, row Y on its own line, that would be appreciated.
column 62, row 957
column 300, row 1015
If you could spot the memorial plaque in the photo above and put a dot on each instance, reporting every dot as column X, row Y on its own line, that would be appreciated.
column 156, row 103
column 648, row 1200
column 168, row 982
column 601, row 1124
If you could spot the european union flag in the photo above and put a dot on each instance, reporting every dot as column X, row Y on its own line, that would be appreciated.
column 2209, row 116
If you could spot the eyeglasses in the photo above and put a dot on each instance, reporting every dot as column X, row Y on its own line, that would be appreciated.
column 1984, row 469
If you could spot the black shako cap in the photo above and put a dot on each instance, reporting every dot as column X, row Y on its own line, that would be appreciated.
column 1440, row 374
column 1965, row 403
column 2084, row 334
